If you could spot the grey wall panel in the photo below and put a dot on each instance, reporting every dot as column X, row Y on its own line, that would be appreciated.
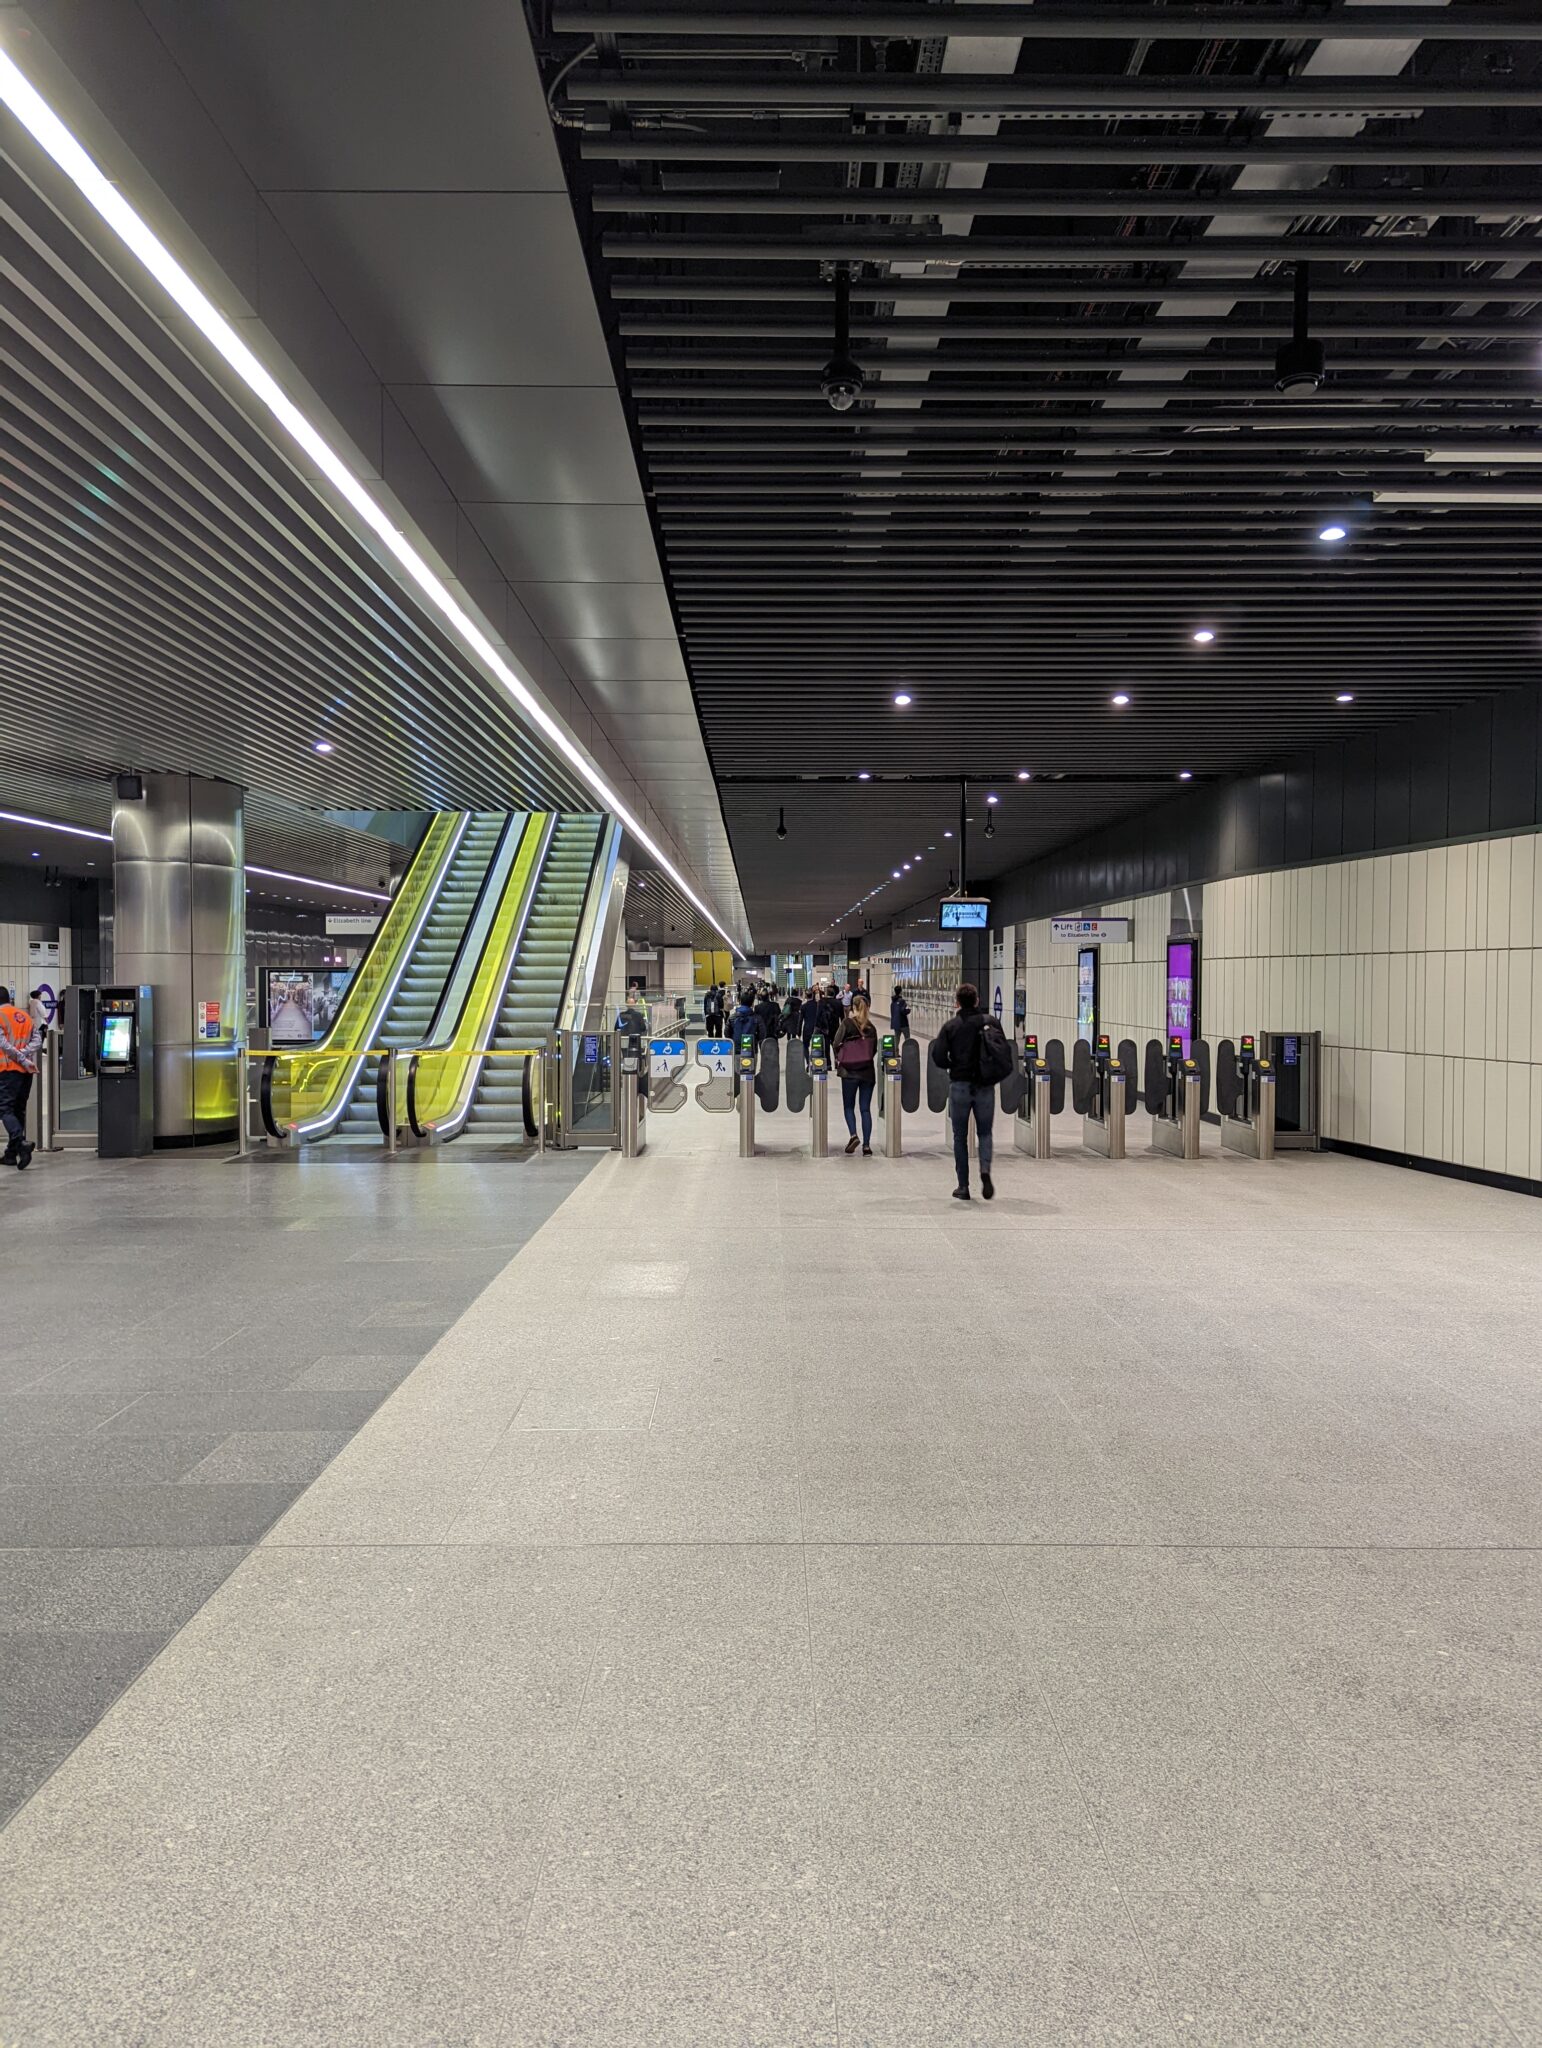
column 1397, row 784
column 1271, row 820
column 1327, row 804
column 1298, row 815
column 1472, row 740
column 1393, row 755
column 1513, row 773
column 1429, row 779
column 1359, row 794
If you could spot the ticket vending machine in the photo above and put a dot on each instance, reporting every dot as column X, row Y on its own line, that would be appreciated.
column 1297, row 1060
column 125, row 1072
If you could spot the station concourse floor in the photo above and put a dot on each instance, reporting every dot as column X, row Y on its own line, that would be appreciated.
column 786, row 1606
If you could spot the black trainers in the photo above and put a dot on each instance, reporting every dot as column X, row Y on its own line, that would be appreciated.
column 852, row 1144
column 867, row 1151
column 987, row 1187
column 961, row 1194
column 23, row 1158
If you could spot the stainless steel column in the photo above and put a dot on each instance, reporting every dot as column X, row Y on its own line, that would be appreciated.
column 1188, row 1100
column 746, row 1116
column 819, row 1116
column 893, row 1117
column 179, row 923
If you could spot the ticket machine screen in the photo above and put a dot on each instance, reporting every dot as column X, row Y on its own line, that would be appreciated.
column 117, row 1046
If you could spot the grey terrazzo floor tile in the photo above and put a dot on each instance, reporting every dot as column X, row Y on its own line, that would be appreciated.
column 134, row 1516
column 1350, row 1964
column 27, row 1761
column 279, row 1456
column 56, row 1682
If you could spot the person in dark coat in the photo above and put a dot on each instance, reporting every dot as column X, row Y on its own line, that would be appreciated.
column 956, row 1049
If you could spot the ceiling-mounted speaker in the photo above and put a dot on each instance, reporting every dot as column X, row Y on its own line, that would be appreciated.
column 130, row 788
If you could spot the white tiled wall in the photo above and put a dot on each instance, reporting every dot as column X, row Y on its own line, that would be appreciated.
column 1132, row 978
column 1423, row 971
column 15, row 973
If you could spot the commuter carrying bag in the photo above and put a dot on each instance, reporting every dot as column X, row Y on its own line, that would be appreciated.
column 856, row 1052
column 993, row 1054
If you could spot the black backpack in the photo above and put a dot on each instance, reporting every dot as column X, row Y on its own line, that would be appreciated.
column 993, row 1054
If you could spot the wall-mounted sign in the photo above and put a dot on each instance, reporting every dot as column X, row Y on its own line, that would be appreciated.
column 208, row 1020
column 1089, row 931
column 43, row 953
column 1182, row 992
column 1087, row 993
column 351, row 924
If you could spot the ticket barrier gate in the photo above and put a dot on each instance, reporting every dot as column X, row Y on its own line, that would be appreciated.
column 899, row 1071
column 746, row 1060
column 818, row 1095
column 1174, row 1095
column 1245, row 1089
column 1103, row 1091
column 632, row 1109
column 1043, row 1096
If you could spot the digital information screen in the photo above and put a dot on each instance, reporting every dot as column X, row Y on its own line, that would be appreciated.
column 117, row 1041
column 964, row 914
column 1182, row 975
column 1087, row 993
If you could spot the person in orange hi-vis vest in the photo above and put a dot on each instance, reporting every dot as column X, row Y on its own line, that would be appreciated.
column 17, row 1064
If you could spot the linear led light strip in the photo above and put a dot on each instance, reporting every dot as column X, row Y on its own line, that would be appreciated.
column 49, row 132
column 272, row 874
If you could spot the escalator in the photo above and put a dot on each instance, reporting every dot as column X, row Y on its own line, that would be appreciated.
column 536, row 963
column 393, row 992
column 412, row 1009
column 533, row 999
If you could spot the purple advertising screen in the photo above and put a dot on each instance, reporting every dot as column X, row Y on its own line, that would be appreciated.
column 1182, row 970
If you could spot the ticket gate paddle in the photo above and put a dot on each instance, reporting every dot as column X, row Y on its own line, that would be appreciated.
column 715, row 1056
column 1174, row 1094
column 1245, row 1088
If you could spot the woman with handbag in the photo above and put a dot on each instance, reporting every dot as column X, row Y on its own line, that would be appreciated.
column 856, row 1055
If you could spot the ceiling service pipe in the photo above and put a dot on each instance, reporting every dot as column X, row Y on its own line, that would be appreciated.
column 884, row 201
column 945, row 92
column 1214, row 249
column 1034, row 24
column 651, row 146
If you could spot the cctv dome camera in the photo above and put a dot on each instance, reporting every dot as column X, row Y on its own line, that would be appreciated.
column 841, row 381
column 1299, row 367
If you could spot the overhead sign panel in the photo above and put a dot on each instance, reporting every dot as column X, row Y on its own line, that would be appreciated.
column 1089, row 931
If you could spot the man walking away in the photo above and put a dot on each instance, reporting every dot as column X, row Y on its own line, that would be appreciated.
column 899, row 1014
column 712, row 1012
column 962, row 1049
column 17, row 1064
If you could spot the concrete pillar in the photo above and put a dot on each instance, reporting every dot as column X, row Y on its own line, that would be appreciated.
column 179, row 923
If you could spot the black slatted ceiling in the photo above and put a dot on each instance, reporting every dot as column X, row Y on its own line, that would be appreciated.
column 1072, row 235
